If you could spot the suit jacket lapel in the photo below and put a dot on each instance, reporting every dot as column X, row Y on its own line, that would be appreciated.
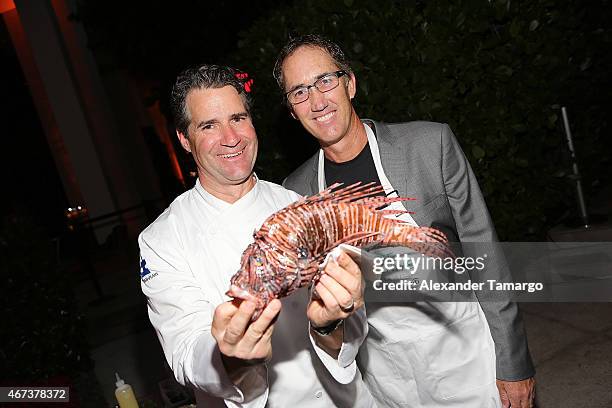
column 314, row 180
column 310, row 175
column 391, row 158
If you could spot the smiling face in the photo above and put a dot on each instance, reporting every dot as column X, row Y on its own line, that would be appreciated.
column 221, row 138
column 328, row 116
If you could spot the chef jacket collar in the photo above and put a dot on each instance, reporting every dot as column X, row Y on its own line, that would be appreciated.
column 220, row 205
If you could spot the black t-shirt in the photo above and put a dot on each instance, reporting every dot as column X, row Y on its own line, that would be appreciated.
column 361, row 168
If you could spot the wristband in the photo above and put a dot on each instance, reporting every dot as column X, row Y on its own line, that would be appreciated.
column 327, row 330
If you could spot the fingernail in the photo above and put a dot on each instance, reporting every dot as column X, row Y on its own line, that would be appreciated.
column 274, row 306
column 336, row 253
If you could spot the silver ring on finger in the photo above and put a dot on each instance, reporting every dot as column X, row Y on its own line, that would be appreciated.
column 349, row 308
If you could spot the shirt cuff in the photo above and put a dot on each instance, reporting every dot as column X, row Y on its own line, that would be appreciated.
column 249, row 387
column 355, row 332
column 355, row 329
column 342, row 374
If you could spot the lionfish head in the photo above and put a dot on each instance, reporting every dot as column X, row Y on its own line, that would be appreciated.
column 247, row 283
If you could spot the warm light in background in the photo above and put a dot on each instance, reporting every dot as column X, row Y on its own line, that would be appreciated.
column 6, row 5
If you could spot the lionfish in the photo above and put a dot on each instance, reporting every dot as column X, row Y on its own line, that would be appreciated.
column 292, row 242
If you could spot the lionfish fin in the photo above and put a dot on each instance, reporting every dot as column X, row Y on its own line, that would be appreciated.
column 426, row 240
column 365, row 194
column 392, row 212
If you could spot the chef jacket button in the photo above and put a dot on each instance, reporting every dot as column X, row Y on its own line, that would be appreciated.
column 318, row 394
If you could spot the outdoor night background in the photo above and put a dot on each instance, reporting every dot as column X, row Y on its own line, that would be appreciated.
column 85, row 122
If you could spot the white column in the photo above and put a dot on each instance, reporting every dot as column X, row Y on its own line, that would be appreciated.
column 50, row 55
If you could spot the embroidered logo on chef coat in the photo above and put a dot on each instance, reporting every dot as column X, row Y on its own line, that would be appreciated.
column 145, row 273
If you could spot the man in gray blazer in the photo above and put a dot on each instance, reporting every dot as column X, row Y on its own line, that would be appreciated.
column 409, row 357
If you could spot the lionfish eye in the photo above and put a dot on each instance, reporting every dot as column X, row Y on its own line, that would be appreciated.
column 258, row 260
column 302, row 253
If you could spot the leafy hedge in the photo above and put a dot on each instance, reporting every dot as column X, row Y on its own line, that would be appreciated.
column 496, row 72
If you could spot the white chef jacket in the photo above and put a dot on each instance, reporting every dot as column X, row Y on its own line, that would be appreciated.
column 424, row 354
column 188, row 256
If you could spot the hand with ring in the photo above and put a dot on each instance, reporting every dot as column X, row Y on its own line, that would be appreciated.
column 349, row 308
column 338, row 293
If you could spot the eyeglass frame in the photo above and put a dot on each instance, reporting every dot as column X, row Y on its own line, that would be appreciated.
column 337, row 74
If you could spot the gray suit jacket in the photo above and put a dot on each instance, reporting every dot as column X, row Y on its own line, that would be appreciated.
column 424, row 160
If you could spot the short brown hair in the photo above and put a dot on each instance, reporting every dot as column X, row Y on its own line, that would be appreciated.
column 309, row 40
column 202, row 77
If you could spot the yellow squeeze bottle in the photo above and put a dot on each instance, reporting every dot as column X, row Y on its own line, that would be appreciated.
column 125, row 394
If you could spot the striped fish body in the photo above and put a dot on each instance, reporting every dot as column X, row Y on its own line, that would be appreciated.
column 291, row 244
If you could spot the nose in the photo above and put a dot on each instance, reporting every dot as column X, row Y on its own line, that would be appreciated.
column 230, row 138
column 317, row 100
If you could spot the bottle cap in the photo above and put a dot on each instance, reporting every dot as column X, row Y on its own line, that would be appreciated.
column 119, row 382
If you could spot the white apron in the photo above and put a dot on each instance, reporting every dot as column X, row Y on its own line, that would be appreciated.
column 425, row 354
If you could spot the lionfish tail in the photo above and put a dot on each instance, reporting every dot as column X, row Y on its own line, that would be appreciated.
column 433, row 242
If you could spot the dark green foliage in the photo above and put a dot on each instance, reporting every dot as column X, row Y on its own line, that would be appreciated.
column 42, row 332
column 496, row 71
column 155, row 38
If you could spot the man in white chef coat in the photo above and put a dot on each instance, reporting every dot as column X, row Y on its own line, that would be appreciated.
column 190, row 252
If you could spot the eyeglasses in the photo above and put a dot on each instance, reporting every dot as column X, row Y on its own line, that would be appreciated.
column 324, row 84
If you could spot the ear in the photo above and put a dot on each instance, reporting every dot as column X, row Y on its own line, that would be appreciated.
column 352, row 85
column 184, row 141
